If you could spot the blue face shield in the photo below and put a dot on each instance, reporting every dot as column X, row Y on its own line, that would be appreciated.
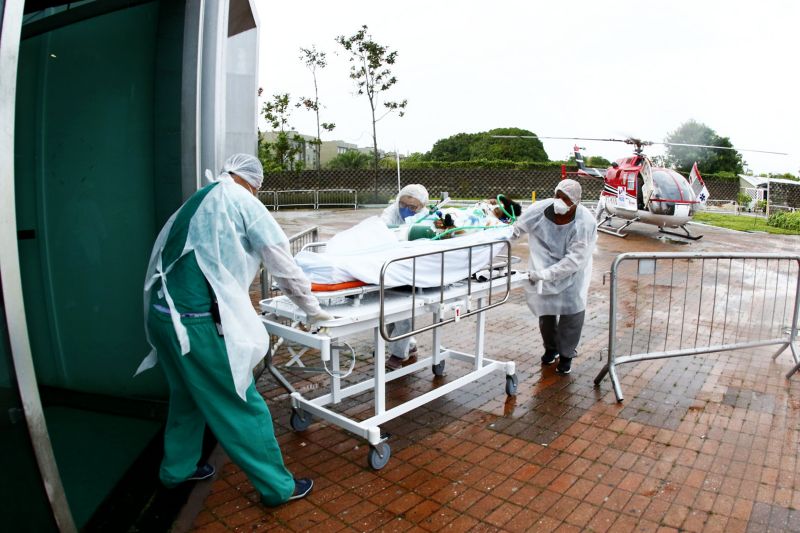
column 406, row 212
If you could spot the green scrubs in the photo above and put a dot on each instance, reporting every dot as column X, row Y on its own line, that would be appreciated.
column 201, row 384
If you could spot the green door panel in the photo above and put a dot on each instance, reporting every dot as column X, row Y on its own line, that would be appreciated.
column 84, row 179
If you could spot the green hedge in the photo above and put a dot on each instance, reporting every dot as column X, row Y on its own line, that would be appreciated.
column 785, row 220
column 484, row 163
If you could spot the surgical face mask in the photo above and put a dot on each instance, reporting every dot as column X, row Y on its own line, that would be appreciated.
column 406, row 212
column 560, row 207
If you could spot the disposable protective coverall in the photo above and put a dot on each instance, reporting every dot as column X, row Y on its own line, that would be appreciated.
column 210, row 248
column 562, row 255
column 393, row 216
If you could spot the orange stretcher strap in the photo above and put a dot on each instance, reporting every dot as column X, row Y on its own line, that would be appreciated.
column 328, row 287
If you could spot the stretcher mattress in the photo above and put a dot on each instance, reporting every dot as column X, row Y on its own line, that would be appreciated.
column 358, row 253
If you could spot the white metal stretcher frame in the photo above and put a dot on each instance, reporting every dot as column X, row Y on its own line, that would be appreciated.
column 447, row 304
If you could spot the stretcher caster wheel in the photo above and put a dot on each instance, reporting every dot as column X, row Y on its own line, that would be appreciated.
column 379, row 455
column 511, row 385
column 300, row 420
column 438, row 369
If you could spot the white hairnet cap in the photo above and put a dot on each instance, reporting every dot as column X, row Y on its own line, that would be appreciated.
column 247, row 167
column 571, row 188
column 415, row 190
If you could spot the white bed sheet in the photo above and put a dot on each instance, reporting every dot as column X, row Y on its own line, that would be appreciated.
column 359, row 253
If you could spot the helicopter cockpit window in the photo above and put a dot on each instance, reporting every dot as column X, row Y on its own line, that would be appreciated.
column 665, row 187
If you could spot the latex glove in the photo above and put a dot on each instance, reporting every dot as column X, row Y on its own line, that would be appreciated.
column 322, row 316
column 536, row 275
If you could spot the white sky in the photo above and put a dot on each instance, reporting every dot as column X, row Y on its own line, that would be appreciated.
column 581, row 68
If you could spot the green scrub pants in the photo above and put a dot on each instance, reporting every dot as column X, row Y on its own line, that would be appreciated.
column 202, row 391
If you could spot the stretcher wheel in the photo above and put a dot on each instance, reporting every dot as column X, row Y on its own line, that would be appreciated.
column 511, row 385
column 379, row 455
column 438, row 369
column 300, row 420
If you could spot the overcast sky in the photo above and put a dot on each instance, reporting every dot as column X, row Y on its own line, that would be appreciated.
column 580, row 68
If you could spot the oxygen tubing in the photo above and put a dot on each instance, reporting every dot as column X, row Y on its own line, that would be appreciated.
column 452, row 230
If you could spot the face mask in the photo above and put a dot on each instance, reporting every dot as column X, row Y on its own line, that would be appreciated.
column 560, row 207
column 406, row 212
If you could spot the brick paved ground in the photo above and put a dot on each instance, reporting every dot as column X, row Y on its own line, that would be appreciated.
column 705, row 443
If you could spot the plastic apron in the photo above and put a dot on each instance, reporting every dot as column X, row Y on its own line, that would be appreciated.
column 231, row 233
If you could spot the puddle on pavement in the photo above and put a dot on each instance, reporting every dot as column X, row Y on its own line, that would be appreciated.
column 672, row 240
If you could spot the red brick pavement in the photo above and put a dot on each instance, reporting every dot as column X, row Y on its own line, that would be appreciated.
column 705, row 443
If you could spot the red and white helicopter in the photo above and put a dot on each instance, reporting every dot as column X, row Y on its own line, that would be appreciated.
column 634, row 190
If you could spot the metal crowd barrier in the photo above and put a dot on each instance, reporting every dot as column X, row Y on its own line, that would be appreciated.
column 296, row 243
column 309, row 197
column 498, row 269
column 688, row 304
column 295, row 198
column 335, row 197
column 267, row 198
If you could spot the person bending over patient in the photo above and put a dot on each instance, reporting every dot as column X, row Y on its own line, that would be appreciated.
column 411, row 200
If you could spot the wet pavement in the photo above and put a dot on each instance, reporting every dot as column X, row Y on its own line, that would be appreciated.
column 701, row 443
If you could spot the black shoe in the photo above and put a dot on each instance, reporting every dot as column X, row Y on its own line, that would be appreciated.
column 564, row 365
column 302, row 486
column 549, row 358
column 203, row 471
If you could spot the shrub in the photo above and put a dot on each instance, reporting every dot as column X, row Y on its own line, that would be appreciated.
column 785, row 220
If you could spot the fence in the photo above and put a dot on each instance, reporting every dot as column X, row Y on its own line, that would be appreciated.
column 314, row 198
column 295, row 198
column 296, row 243
column 337, row 197
column 688, row 304
column 517, row 183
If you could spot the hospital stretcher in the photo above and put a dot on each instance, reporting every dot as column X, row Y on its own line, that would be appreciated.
column 372, row 308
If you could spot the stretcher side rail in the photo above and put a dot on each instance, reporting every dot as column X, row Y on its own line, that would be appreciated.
column 469, row 308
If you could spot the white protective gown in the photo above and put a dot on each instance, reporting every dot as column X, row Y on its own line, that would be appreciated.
column 232, row 233
column 564, row 253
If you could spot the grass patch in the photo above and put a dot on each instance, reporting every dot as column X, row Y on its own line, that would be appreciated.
column 741, row 223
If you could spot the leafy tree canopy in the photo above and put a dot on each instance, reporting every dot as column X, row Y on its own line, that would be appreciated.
column 472, row 146
column 352, row 159
column 708, row 160
column 594, row 161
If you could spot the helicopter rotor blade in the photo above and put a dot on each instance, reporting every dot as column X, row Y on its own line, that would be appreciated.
column 556, row 138
column 637, row 142
column 721, row 148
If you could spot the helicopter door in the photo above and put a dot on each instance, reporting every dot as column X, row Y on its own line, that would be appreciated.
column 647, row 182
column 626, row 196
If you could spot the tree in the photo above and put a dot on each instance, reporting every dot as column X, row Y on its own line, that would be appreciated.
column 370, row 70
column 711, row 161
column 594, row 161
column 351, row 159
column 282, row 153
column 597, row 161
column 314, row 60
column 484, row 145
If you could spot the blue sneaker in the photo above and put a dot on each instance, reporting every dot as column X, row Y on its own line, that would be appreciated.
column 203, row 471
column 302, row 486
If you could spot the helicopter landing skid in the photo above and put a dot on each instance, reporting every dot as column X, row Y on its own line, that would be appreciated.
column 687, row 236
column 611, row 230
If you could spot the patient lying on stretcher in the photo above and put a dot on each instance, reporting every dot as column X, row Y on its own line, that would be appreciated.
column 358, row 253
column 454, row 221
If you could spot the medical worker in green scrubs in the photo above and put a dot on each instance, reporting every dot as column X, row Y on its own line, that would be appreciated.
column 207, row 336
